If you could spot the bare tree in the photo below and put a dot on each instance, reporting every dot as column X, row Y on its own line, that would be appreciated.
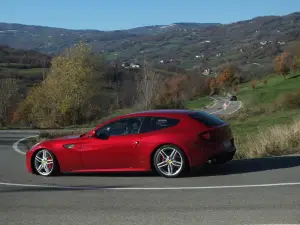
column 8, row 94
column 148, row 87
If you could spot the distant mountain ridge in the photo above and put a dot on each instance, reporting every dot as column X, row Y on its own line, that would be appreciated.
column 190, row 44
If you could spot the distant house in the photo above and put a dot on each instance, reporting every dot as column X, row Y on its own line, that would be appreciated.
column 127, row 65
column 206, row 72
column 220, row 54
column 134, row 65
column 200, row 56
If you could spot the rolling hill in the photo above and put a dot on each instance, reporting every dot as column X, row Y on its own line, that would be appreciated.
column 252, row 43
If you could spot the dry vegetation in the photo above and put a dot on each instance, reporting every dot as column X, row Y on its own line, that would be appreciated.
column 275, row 141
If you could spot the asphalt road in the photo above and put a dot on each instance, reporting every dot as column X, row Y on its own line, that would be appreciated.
column 219, row 109
column 214, row 195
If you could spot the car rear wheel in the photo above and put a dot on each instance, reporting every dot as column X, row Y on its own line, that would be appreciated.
column 170, row 161
column 45, row 163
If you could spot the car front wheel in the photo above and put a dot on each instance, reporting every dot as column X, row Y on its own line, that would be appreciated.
column 45, row 163
column 170, row 161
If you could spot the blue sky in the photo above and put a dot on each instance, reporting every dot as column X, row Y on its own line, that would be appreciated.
column 123, row 14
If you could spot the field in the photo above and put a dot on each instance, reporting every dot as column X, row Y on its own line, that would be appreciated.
column 199, row 103
column 265, row 94
column 264, row 112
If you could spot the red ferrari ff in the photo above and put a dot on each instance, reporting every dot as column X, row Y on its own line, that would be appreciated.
column 167, row 141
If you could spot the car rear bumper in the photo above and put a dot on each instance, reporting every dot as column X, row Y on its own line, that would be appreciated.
column 202, row 155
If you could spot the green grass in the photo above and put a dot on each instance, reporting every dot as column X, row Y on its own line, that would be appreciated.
column 251, row 125
column 266, row 94
column 33, row 71
column 259, row 114
column 199, row 103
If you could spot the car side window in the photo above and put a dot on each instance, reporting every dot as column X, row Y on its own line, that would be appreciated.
column 122, row 127
column 158, row 123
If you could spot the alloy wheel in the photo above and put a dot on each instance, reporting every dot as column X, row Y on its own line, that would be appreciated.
column 169, row 161
column 44, row 162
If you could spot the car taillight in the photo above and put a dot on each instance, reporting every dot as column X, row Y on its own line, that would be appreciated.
column 205, row 135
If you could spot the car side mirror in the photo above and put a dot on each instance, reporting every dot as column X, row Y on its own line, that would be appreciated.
column 91, row 134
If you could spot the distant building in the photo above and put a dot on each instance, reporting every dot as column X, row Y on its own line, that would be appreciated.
column 127, row 65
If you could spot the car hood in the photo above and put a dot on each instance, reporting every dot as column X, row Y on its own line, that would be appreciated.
column 47, row 142
column 67, row 137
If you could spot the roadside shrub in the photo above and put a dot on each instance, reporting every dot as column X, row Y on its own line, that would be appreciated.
column 290, row 100
column 274, row 141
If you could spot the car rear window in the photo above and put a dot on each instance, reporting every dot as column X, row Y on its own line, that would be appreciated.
column 207, row 119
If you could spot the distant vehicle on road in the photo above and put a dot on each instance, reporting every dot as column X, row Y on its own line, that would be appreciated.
column 170, row 142
column 233, row 98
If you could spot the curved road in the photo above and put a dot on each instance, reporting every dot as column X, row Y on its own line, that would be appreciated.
column 259, row 191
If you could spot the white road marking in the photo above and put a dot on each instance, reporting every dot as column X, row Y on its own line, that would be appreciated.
column 151, row 188
column 236, row 109
column 15, row 145
column 215, row 102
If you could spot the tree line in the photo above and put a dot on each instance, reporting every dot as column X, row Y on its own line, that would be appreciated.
column 79, row 87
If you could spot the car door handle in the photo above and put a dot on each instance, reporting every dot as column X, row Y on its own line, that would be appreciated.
column 136, row 142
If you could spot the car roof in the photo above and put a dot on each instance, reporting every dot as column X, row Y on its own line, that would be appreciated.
column 161, row 112
column 175, row 113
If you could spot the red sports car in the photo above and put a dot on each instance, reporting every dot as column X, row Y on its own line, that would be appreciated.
column 167, row 141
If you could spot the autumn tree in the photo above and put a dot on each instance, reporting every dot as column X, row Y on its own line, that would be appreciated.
column 8, row 99
column 235, row 89
column 254, row 84
column 282, row 64
column 294, row 51
column 64, row 96
column 213, row 85
column 173, row 92
column 228, row 78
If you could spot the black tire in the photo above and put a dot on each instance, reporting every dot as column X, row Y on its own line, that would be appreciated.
column 179, row 153
column 54, row 170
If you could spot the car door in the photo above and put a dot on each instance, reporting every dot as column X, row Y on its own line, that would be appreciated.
column 118, row 151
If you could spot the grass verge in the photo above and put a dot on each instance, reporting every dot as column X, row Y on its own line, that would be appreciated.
column 260, row 136
column 200, row 103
